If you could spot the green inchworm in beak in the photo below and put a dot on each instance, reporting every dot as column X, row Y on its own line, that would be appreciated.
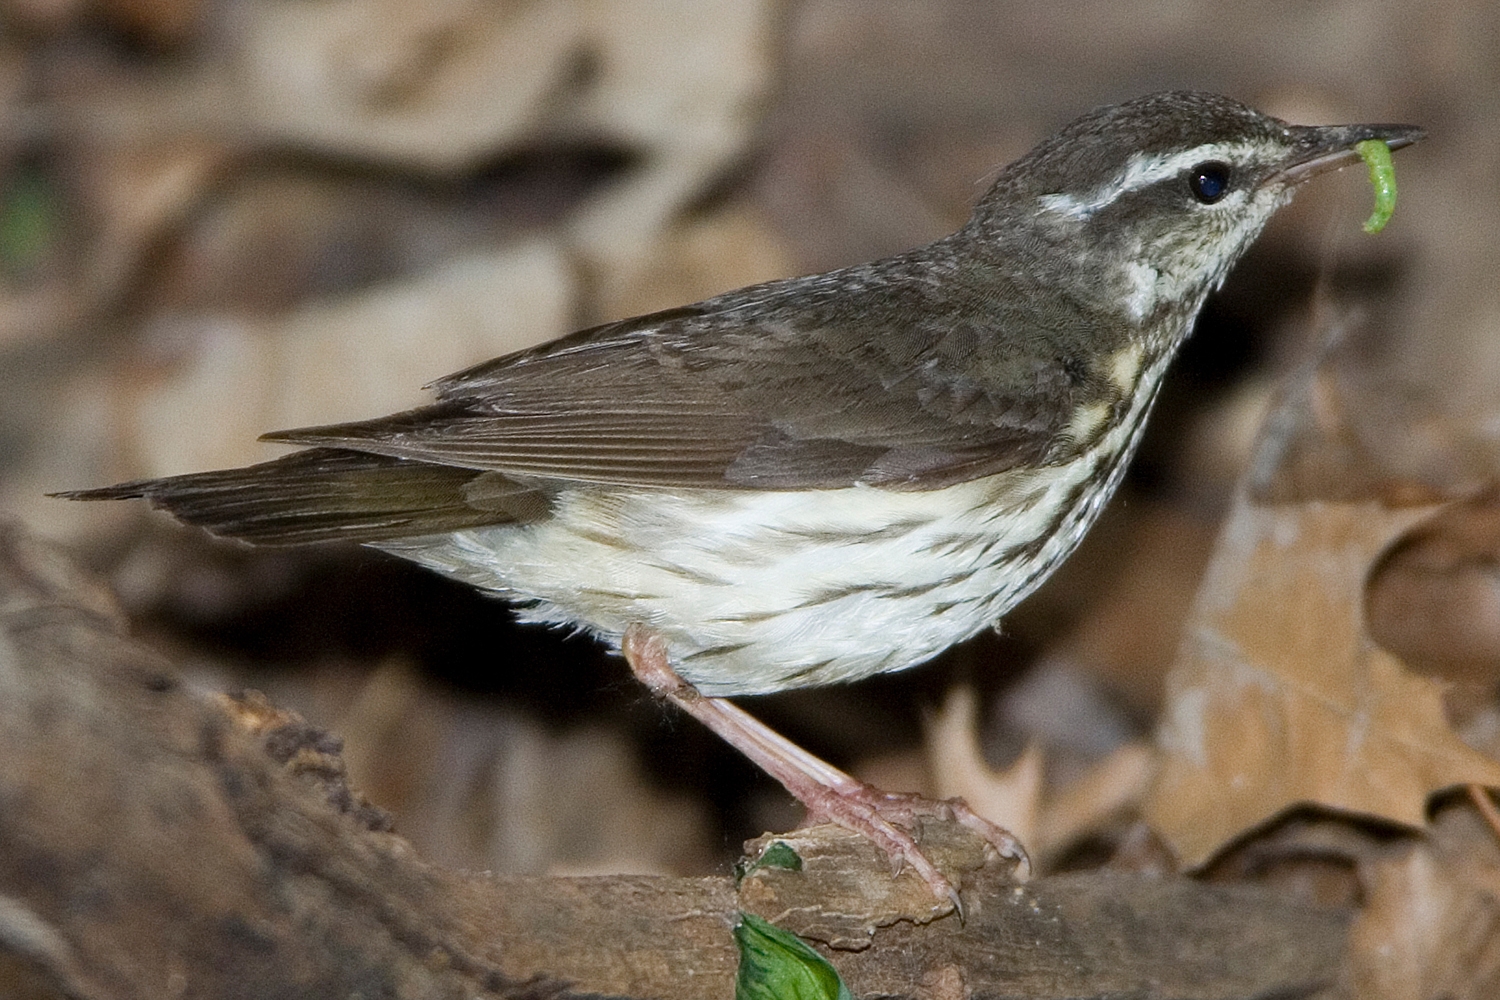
column 1382, row 178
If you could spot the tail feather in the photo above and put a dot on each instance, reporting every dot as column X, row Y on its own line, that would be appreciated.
column 328, row 494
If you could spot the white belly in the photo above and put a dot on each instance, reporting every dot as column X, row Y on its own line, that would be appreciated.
column 759, row 591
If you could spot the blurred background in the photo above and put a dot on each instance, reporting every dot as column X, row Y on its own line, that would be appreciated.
column 221, row 217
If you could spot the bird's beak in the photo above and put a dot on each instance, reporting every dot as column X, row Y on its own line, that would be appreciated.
column 1320, row 148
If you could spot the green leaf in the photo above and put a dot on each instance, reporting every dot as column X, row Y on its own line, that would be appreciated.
column 777, row 965
column 779, row 855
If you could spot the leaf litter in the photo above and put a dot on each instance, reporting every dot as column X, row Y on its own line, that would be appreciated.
column 1294, row 733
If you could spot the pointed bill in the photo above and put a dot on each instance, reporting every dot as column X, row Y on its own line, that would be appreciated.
column 1330, row 147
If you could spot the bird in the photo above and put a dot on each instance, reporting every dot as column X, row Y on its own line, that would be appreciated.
column 823, row 478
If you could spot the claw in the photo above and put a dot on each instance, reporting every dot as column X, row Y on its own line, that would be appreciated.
column 826, row 791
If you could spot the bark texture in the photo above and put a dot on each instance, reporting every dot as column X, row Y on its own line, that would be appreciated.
column 157, row 841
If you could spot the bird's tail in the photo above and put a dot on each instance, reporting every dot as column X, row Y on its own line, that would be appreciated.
column 329, row 494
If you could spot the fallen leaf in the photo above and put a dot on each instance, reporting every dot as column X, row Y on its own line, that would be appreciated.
column 1009, row 797
column 1280, row 697
column 1430, row 926
column 1045, row 820
column 1112, row 787
column 1434, row 598
column 777, row 965
column 339, row 359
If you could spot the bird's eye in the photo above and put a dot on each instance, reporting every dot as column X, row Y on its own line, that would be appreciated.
column 1209, row 181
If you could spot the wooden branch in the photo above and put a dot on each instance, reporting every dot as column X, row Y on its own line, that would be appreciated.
column 160, row 842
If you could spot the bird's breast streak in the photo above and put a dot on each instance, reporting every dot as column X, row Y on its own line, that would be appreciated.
column 763, row 590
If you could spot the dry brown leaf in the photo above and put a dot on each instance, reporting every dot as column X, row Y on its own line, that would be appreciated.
column 339, row 359
column 1430, row 926
column 1011, row 797
column 692, row 260
column 1044, row 820
column 440, row 84
column 1434, row 599
column 475, row 786
column 1279, row 696
column 1111, row 787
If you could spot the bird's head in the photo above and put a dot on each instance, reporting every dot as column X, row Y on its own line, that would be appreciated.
column 1150, row 202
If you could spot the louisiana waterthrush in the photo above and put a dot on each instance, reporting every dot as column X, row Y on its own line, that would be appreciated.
column 822, row 478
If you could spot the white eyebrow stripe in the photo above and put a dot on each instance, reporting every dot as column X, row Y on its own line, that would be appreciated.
column 1143, row 171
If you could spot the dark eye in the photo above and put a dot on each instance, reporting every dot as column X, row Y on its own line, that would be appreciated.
column 1209, row 181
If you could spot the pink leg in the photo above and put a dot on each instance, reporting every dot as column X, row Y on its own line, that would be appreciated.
column 827, row 792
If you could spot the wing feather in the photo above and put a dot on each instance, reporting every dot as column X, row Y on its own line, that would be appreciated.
column 323, row 495
column 886, row 377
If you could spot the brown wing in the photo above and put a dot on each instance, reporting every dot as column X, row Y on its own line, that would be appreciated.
column 813, row 383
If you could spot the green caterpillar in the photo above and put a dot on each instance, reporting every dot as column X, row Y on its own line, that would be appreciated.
column 1382, row 178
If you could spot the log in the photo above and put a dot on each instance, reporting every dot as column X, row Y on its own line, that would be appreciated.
column 160, row 841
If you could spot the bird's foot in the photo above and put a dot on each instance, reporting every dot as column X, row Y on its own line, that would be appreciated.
column 829, row 794
column 891, row 820
column 871, row 811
